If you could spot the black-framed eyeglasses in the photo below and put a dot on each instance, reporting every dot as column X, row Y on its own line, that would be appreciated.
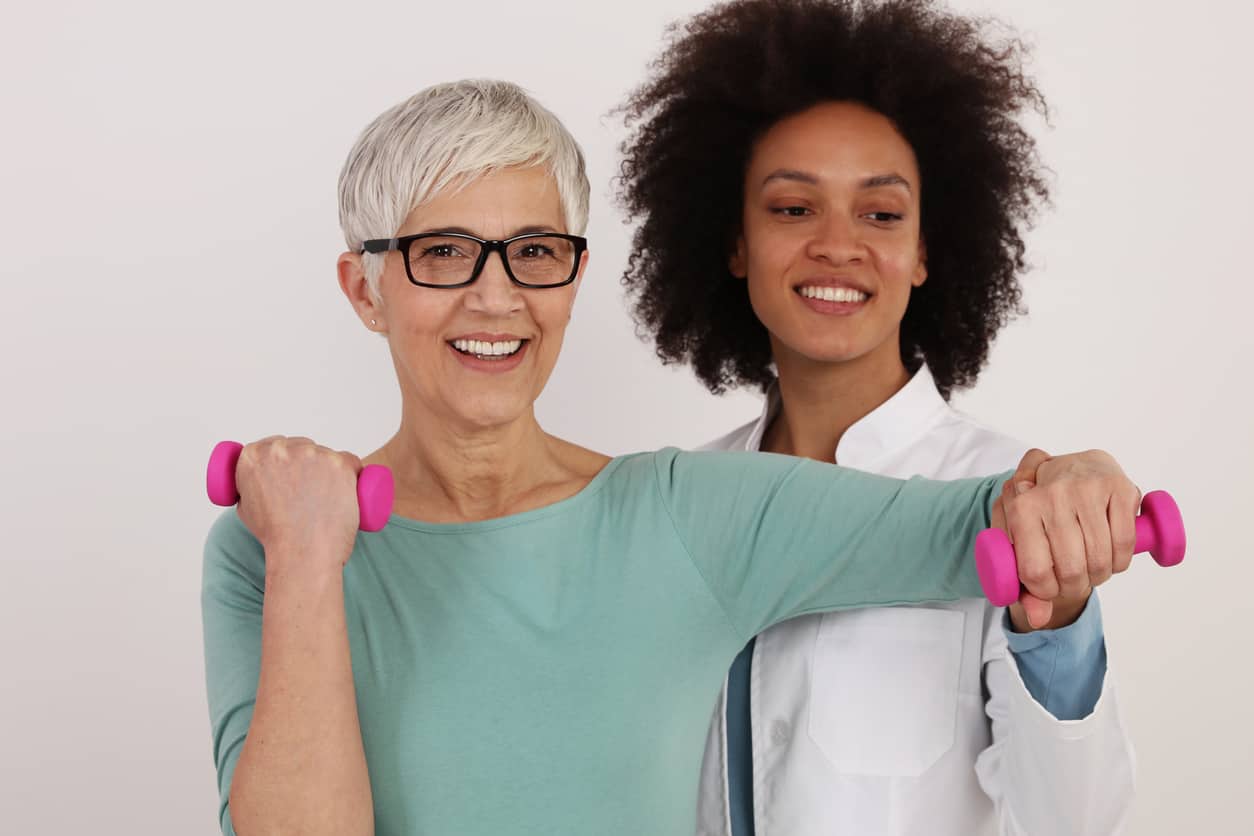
column 454, row 259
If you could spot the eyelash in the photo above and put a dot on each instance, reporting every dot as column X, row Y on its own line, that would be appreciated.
column 786, row 211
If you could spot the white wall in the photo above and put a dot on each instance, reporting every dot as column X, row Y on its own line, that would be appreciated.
column 169, row 234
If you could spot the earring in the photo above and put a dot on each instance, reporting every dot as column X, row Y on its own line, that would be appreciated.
column 373, row 323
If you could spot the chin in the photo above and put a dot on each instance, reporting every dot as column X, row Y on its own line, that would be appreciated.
column 828, row 350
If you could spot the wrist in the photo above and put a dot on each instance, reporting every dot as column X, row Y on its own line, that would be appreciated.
column 306, row 567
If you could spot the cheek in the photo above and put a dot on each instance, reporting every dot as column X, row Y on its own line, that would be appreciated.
column 767, row 262
column 898, row 266
column 770, row 246
column 417, row 328
column 552, row 312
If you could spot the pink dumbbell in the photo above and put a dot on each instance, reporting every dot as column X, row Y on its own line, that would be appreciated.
column 1159, row 531
column 374, row 485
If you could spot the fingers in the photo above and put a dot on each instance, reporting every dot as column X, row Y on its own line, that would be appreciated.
column 1121, row 517
column 1094, row 519
column 1025, row 525
column 1067, row 546
column 1071, row 531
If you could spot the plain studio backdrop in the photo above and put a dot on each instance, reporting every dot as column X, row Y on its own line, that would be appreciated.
column 170, row 234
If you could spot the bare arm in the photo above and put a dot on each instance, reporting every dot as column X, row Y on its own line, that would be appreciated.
column 303, row 767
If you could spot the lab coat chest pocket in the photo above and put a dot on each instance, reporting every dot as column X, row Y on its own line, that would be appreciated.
column 885, row 688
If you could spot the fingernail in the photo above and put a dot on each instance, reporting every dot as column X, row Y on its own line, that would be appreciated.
column 1022, row 487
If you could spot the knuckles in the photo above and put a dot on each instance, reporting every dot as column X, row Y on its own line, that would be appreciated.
column 1037, row 575
column 1071, row 570
column 277, row 452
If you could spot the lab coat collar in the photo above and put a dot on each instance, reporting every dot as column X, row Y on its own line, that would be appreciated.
column 901, row 420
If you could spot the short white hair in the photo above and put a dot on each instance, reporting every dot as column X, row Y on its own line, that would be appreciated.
column 451, row 132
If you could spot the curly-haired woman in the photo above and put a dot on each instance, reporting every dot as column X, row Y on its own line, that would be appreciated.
column 831, row 198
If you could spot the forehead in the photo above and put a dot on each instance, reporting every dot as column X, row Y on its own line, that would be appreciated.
column 492, row 202
column 837, row 141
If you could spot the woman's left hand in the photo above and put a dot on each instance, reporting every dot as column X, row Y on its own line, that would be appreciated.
column 1072, row 521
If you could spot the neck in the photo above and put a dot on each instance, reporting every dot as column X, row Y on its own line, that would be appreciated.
column 449, row 473
column 820, row 401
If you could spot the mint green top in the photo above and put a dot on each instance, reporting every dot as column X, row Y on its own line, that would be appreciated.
column 553, row 672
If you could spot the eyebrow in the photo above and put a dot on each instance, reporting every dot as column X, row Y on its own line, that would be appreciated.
column 522, row 230
column 875, row 182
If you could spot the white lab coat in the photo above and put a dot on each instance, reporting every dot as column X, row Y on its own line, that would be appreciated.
column 911, row 720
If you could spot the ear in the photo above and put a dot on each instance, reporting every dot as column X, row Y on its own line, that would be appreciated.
column 352, row 276
column 920, row 270
column 737, row 261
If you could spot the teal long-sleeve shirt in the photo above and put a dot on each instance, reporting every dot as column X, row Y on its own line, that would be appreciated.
column 553, row 671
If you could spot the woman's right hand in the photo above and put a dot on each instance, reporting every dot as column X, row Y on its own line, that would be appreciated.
column 299, row 500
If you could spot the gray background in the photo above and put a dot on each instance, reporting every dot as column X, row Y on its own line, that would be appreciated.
column 169, row 229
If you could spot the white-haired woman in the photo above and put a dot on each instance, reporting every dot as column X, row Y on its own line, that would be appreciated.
column 533, row 643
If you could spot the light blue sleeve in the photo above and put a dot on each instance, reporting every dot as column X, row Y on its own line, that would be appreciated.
column 1063, row 669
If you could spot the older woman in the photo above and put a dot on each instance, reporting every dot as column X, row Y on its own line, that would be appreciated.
column 533, row 643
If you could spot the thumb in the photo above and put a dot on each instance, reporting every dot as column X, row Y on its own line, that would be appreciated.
column 1036, row 609
column 1032, row 459
column 1009, row 490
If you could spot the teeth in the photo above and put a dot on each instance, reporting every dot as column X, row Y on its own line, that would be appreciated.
column 833, row 294
column 487, row 349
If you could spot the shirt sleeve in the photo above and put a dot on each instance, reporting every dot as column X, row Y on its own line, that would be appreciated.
column 1046, row 776
column 1063, row 669
column 232, row 588
column 776, row 536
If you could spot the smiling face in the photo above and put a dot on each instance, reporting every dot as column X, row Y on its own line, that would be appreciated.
column 480, row 355
column 830, row 241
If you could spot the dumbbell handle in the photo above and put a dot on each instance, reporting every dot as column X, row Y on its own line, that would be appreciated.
column 1159, row 531
column 374, row 485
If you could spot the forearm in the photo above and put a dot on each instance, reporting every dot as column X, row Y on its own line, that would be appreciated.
column 776, row 537
column 303, row 767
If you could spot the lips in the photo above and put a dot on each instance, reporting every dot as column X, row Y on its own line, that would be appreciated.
column 833, row 297
column 491, row 356
column 487, row 348
column 835, row 282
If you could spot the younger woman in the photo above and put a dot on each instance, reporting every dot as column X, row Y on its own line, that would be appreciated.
column 831, row 198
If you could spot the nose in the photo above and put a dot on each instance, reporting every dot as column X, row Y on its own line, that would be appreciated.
column 493, row 293
column 837, row 240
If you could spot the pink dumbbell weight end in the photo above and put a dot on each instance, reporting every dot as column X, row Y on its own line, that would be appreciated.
column 1159, row 531
column 374, row 485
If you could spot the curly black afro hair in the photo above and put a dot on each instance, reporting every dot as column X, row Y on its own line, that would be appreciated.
column 732, row 72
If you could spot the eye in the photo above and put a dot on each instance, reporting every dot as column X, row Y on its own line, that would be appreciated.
column 444, row 250
column 791, row 211
column 884, row 217
column 534, row 251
